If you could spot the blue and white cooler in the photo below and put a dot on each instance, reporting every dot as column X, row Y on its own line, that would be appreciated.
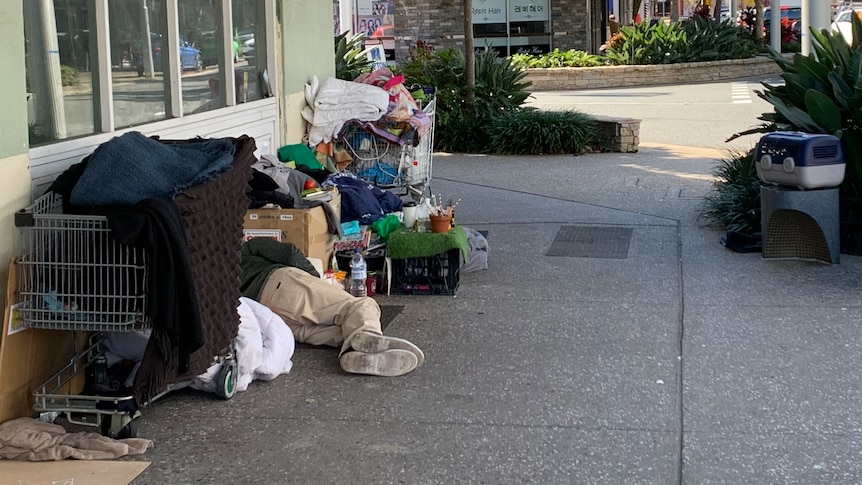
column 801, row 160
column 799, row 196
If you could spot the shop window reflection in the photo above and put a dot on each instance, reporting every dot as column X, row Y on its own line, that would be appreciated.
column 58, row 58
column 201, row 40
column 249, row 25
column 138, row 35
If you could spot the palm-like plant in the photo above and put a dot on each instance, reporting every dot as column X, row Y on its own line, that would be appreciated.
column 351, row 57
column 822, row 93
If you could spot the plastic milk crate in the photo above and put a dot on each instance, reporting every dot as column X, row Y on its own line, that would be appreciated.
column 431, row 275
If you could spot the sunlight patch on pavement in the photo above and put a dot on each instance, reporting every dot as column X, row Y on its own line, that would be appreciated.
column 673, row 173
column 682, row 151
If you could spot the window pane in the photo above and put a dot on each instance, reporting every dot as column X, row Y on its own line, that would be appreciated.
column 200, row 51
column 249, row 27
column 138, row 31
column 58, row 61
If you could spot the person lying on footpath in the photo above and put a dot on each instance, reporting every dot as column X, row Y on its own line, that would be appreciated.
column 279, row 276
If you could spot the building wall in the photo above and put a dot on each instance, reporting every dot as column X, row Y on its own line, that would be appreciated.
column 570, row 24
column 14, row 162
column 434, row 21
column 307, row 44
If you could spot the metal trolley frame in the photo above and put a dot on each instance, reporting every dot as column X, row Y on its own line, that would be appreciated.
column 76, row 277
column 402, row 169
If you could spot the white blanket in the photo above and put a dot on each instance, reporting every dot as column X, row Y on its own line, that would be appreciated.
column 336, row 102
column 264, row 346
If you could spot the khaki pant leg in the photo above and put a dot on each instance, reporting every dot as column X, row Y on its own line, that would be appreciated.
column 317, row 312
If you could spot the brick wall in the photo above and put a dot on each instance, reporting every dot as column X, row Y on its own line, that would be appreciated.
column 620, row 76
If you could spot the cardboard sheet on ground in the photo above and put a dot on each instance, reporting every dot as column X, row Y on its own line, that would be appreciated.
column 70, row 472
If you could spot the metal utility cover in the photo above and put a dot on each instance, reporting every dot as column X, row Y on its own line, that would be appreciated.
column 591, row 242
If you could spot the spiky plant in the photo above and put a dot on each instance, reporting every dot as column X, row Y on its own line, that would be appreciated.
column 351, row 57
column 735, row 202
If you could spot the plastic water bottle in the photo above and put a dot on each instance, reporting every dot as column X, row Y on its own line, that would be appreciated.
column 358, row 273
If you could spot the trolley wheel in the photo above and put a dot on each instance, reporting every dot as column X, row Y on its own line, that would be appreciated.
column 226, row 380
column 130, row 430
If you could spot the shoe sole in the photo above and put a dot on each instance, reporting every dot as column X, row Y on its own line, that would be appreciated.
column 373, row 343
column 389, row 363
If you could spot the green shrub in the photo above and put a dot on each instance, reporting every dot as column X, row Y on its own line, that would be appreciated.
column 735, row 203
column 461, row 131
column 650, row 44
column 499, row 88
column 691, row 40
column 500, row 85
column 533, row 132
column 711, row 40
column 69, row 76
column 351, row 58
column 569, row 58
column 821, row 93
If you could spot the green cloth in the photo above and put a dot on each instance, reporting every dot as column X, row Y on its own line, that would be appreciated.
column 261, row 256
column 386, row 226
column 403, row 244
column 299, row 154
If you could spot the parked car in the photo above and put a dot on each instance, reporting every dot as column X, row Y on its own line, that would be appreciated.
column 209, row 49
column 843, row 25
column 793, row 14
column 242, row 35
column 190, row 56
column 247, row 49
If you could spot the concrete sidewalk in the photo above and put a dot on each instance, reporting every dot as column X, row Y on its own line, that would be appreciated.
column 673, row 360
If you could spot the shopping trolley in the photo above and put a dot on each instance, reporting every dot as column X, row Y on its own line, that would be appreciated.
column 400, row 168
column 74, row 276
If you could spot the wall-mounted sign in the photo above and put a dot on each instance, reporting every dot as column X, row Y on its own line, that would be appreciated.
column 528, row 10
column 489, row 11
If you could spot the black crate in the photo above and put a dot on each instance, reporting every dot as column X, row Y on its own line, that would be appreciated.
column 432, row 275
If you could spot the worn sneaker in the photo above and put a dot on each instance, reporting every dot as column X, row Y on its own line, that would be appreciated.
column 370, row 342
column 389, row 363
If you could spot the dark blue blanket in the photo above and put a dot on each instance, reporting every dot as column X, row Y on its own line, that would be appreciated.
column 130, row 168
column 361, row 201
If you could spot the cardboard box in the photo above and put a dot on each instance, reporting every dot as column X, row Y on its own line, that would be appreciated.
column 306, row 228
column 28, row 357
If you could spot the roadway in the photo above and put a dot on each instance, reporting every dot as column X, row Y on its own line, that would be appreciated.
column 696, row 115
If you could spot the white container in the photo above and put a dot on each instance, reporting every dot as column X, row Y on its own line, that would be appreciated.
column 801, row 160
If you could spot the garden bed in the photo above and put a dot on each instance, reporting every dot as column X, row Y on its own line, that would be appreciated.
column 566, row 78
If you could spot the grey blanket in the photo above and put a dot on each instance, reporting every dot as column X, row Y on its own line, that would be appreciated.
column 130, row 168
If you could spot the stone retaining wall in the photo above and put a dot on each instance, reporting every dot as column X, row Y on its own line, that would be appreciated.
column 618, row 135
column 564, row 78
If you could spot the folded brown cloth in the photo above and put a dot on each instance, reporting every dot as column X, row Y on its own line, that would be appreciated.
column 33, row 440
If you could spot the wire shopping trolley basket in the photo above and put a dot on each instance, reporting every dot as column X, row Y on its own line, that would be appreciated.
column 389, row 165
column 74, row 276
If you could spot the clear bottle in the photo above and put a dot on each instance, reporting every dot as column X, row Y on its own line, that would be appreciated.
column 358, row 273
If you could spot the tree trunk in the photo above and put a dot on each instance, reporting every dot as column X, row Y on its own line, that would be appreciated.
column 758, row 25
column 469, row 53
column 716, row 10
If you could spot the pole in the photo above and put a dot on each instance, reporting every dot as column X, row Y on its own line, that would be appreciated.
column 54, row 85
column 805, row 23
column 147, row 55
column 469, row 53
column 775, row 25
